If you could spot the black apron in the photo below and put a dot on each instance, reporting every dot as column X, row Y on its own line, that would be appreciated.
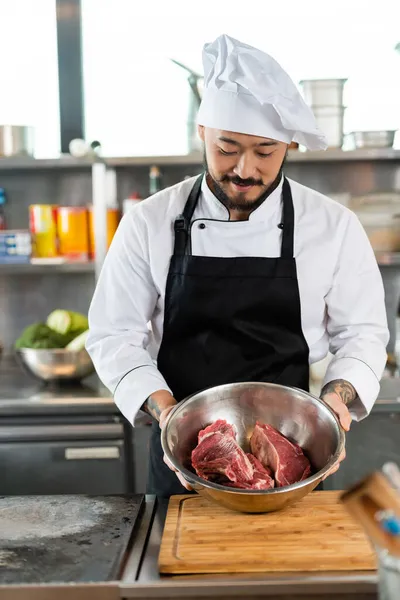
column 227, row 320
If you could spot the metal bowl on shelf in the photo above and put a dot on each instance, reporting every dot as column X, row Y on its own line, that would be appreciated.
column 56, row 364
column 372, row 139
column 298, row 415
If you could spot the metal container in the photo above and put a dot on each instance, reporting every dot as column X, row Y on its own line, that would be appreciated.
column 298, row 415
column 73, row 232
column 16, row 140
column 43, row 227
column 323, row 92
column 382, row 229
column 330, row 122
column 372, row 139
column 55, row 364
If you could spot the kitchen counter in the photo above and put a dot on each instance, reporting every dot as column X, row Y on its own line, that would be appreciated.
column 141, row 578
column 22, row 394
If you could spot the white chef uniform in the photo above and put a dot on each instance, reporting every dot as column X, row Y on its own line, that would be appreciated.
column 340, row 287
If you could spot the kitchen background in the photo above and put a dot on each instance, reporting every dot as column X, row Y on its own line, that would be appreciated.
column 97, row 110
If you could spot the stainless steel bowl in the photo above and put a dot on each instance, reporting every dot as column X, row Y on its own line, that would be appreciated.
column 298, row 415
column 372, row 139
column 56, row 365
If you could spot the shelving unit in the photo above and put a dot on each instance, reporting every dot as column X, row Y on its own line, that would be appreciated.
column 294, row 156
column 74, row 182
column 36, row 269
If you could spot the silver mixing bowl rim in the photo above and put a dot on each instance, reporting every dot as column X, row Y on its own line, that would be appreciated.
column 192, row 478
column 52, row 350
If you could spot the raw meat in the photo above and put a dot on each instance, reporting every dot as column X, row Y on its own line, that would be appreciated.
column 285, row 458
column 220, row 426
column 219, row 458
column 261, row 479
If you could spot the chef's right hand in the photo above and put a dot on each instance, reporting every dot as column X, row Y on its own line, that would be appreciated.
column 163, row 421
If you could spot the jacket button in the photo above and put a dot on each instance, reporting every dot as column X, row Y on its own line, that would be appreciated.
column 202, row 226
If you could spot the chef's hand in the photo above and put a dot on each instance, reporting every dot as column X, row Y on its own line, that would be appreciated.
column 159, row 405
column 338, row 394
column 163, row 421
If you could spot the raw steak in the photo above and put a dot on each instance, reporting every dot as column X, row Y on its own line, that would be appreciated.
column 219, row 458
column 261, row 479
column 220, row 426
column 286, row 459
column 218, row 455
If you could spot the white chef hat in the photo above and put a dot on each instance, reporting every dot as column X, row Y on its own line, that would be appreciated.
column 247, row 91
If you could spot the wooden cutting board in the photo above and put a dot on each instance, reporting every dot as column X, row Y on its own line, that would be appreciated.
column 316, row 534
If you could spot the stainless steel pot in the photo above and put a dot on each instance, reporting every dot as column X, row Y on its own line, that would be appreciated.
column 325, row 93
column 16, row 140
column 298, row 415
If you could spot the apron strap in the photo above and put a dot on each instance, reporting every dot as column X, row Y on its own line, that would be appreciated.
column 182, row 222
column 287, row 248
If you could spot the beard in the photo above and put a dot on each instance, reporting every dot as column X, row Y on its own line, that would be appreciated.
column 239, row 203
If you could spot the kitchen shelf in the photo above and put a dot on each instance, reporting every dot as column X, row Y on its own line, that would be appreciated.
column 27, row 164
column 31, row 269
column 195, row 159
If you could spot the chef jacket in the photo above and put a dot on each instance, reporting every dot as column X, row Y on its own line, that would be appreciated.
column 341, row 291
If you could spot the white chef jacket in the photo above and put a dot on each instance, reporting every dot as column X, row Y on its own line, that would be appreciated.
column 341, row 291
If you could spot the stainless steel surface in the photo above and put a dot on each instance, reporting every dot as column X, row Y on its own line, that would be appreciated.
column 21, row 394
column 36, row 432
column 330, row 122
column 38, row 269
column 16, row 140
column 372, row 139
column 141, row 578
column 55, row 365
column 298, row 415
column 323, row 92
column 389, row 576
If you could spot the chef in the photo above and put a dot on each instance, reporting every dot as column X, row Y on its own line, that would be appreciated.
column 240, row 274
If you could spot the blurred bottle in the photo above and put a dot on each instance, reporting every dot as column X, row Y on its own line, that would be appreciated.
column 155, row 180
column 2, row 208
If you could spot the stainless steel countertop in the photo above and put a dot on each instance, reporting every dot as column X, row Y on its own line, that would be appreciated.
column 22, row 394
column 141, row 578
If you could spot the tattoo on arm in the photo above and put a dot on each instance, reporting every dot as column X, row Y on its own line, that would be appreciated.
column 152, row 408
column 342, row 388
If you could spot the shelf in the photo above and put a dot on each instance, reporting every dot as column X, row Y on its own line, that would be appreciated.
column 365, row 154
column 195, row 159
column 383, row 258
column 28, row 164
column 33, row 269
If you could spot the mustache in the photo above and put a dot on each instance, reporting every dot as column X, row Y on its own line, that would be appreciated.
column 239, row 181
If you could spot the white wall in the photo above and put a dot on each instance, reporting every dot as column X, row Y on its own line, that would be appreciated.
column 136, row 100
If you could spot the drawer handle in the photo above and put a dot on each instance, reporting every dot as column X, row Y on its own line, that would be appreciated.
column 100, row 452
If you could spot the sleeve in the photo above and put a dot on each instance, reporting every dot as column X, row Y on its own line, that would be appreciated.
column 123, row 304
column 356, row 319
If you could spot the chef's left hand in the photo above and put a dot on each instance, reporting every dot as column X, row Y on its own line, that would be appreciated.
column 163, row 421
column 336, row 403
